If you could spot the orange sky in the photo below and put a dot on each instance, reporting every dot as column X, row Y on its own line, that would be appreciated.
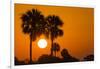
column 78, row 29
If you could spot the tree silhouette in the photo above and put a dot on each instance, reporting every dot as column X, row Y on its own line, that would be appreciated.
column 89, row 58
column 64, row 53
column 55, row 47
column 67, row 57
column 48, row 59
column 32, row 24
column 53, row 25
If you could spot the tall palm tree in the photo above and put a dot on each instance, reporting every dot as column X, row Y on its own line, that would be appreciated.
column 32, row 24
column 56, row 47
column 54, row 23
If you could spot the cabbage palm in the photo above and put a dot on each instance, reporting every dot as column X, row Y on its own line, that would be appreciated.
column 56, row 47
column 32, row 24
column 54, row 23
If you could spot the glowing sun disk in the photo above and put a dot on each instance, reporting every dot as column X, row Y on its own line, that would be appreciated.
column 42, row 43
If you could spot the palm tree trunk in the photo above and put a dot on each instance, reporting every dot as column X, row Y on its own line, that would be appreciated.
column 30, row 49
column 55, row 53
column 51, row 46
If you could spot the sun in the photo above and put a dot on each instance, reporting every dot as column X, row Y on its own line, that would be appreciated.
column 42, row 43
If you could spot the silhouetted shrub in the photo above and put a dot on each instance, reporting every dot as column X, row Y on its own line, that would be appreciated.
column 89, row 58
column 48, row 59
column 67, row 57
column 17, row 62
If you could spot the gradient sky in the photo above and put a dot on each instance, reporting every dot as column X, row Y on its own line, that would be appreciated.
column 78, row 29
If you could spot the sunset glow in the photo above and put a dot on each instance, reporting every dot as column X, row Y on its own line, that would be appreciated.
column 42, row 43
column 78, row 28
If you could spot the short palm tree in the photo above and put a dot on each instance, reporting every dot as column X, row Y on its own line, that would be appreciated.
column 32, row 24
column 53, row 24
column 56, row 47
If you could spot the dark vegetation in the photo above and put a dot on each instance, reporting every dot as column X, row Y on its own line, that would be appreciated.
column 34, row 23
column 45, row 59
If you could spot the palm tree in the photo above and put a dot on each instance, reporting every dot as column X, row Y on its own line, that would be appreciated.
column 53, row 24
column 56, row 47
column 32, row 24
